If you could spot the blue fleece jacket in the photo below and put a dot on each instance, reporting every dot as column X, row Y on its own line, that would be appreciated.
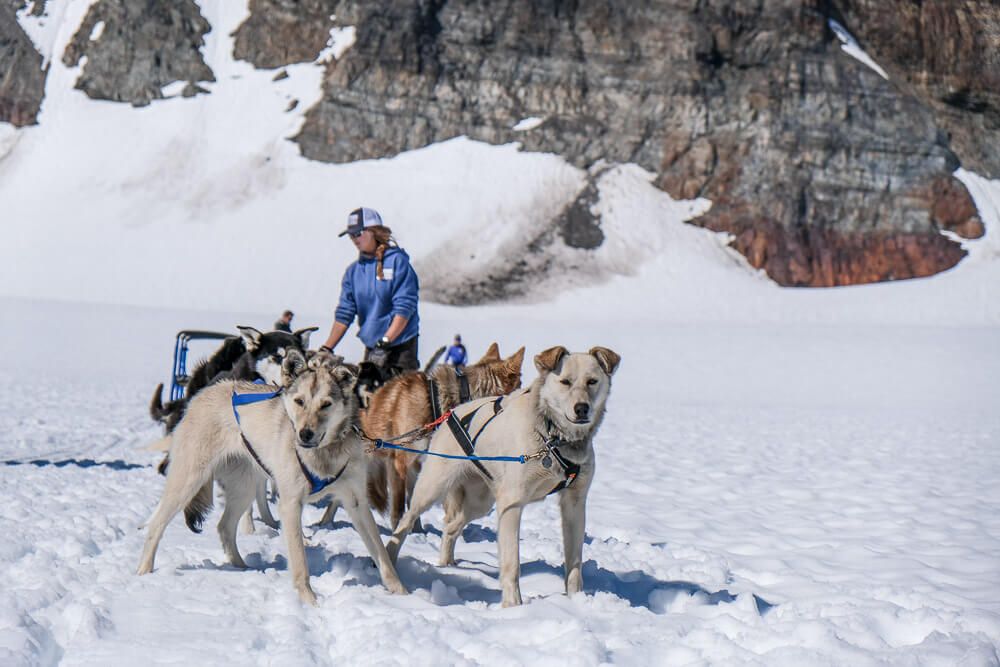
column 376, row 302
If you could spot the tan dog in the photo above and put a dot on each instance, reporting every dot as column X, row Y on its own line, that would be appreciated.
column 552, row 423
column 404, row 404
column 304, row 439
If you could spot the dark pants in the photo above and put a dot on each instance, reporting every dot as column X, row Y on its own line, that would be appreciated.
column 401, row 358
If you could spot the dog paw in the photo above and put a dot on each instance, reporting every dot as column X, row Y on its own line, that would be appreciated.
column 397, row 588
column 308, row 597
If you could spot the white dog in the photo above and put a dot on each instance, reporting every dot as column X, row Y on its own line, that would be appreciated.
column 304, row 439
column 552, row 423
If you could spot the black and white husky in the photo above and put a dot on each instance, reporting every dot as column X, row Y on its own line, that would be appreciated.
column 303, row 438
column 250, row 356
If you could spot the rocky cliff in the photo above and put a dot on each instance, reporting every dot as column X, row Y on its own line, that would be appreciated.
column 136, row 47
column 824, row 171
column 22, row 77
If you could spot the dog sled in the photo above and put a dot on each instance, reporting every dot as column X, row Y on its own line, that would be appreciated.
column 179, row 377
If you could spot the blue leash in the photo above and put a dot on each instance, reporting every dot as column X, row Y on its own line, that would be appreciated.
column 381, row 444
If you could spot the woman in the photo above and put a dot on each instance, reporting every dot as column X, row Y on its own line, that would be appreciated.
column 381, row 289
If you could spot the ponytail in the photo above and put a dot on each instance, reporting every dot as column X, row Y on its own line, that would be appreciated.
column 383, row 241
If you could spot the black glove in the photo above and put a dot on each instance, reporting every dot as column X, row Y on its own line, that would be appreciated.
column 379, row 356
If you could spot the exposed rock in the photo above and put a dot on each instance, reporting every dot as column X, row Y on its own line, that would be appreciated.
column 145, row 45
column 22, row 79
column 825, row 173
column 948, row 54
column 283, row 32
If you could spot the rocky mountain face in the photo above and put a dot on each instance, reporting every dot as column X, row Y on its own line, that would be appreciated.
column 22, row 77
column 823, row 171
column 947, row 54
column 135, row 47
column 283, row 32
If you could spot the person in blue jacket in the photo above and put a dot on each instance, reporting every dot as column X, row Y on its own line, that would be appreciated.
column 381, row 289
column 456, row 355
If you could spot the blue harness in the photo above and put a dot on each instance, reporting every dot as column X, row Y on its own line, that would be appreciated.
column 316, row 483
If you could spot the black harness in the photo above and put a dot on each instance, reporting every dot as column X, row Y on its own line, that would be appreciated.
column 460, row 429
column 464, row 393
column 570, row 469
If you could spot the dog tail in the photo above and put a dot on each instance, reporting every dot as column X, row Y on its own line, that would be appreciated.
column 168, row 415
column 199, row 507
column 434, row 359
column 156, row 410
column 378, row 484
column 164, row 464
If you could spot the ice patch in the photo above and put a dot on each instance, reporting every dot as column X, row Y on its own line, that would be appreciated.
column 851, row 47
column 341, row 39
column 98, row 30
column 174, row 88
column 526, row 124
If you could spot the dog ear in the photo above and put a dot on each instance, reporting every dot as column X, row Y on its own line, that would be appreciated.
column 292, row 366
column 303, row 336
column 607, row 359
column 515, row 360
column 548, row 361
column 346, row 375
column 251, row 337
column 324, row 359
column 492, row 354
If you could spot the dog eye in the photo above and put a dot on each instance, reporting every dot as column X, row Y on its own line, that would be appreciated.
column 325, row 404
column 565, row 382
column 299, row 401
column 592, row 381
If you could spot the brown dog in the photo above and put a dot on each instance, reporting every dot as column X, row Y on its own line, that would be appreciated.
column 404, row 404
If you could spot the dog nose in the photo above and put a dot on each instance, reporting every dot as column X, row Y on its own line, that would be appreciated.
column 306, row 434
column 582, row 410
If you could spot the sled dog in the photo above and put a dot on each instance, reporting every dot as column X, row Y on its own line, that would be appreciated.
column 303, row 438
column 405, row 403
column 251, row 356
column 553, row 423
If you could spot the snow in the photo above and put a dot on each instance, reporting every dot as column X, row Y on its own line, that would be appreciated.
column 850, row 46
column 529, row 123
column 785, row 477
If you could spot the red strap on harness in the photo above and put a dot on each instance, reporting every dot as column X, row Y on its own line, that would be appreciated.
column 437, row 422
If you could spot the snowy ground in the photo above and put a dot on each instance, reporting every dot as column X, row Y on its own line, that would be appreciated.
column 766, row 494
column 793, row 477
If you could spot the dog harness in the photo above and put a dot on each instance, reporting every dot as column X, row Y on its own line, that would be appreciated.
column 570, row 469
column 464, row 393
column 316, row 483
column 460, row 429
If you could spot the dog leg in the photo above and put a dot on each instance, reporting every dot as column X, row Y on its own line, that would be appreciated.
column 238, row 488
column 397, row 489
column 412, row 470
column 431, row 486
column 364, row 523
column 262, row 506
column 508, row 542
column 331, row 511
column 469, row 500
column 573, row 506
column 290, row 510
column 184, row 479
column 246, row 523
